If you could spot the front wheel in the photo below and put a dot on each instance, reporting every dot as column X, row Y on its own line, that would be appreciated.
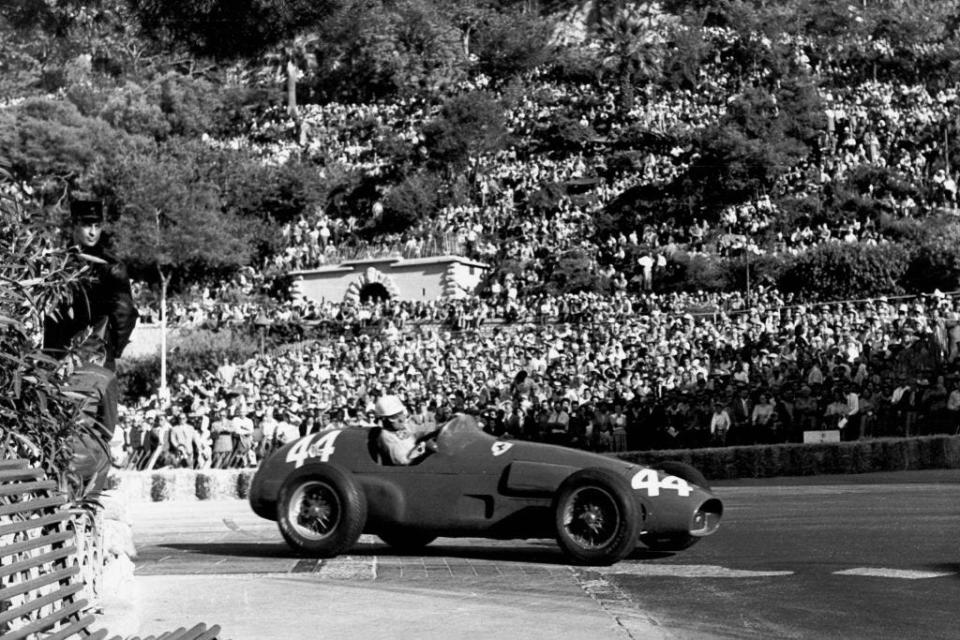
column 321, row 512
column 596, row 517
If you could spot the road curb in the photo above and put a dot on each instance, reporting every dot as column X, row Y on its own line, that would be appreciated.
column 181, row 485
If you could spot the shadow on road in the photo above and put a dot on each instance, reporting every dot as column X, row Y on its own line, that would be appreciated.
column 546, row 553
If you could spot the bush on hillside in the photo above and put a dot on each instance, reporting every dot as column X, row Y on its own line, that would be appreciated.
column 131, row 109
column 192, row 106
column 838, row 271
column 694, row 271
column 468, row 125
column 567, row 135
column 414, row 199
column 511, row 43
column 576, row 272
column 936, row 264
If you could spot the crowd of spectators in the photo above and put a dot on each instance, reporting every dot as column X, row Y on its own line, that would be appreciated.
column 873, row 124
column 625, row 368
column 639, row 374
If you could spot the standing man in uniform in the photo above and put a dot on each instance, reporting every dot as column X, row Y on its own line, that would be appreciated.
column 102, row 306
column 105, row 295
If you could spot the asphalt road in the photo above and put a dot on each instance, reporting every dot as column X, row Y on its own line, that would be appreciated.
column 869, row 557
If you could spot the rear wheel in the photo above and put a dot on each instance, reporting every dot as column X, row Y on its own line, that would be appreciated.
column 321, row 512
column 596, row 518
column 406, row 540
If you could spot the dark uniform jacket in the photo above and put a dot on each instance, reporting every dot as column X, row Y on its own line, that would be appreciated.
column 106, row 295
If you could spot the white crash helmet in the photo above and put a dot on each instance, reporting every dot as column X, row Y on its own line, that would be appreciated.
column 388, row 405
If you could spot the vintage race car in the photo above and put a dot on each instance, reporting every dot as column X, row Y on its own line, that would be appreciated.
column 327, row 488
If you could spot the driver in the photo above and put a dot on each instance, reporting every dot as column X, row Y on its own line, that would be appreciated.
column 400, row 441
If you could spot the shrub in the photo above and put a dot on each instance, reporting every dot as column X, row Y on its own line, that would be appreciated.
column 575, row 271
column 568, row 134
column 191, row 105
column 415, row 198
column 468, row 125
column 688, row 271
column 936, row 263
column 837, row 271
column 511, row 43
column 38, row 415
column 131, row 109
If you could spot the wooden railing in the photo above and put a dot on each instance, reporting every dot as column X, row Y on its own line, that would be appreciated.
column 47, row 553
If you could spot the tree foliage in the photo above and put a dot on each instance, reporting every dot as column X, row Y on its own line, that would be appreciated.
column 39, row 415
column 371, row 49
column 169, row 215
column 229, row 29
column 468, row 125
column 838, row 271
column 761, row 136
column 49, row 145
column 510, row 43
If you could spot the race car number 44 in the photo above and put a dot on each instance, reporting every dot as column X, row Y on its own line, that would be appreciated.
column 319, row 446
column 650, row 481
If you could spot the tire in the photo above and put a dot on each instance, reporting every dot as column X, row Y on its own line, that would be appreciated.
column 676, row 542
column 596, row 517
column 321, row 511
column 686, row 472
column 407, row 540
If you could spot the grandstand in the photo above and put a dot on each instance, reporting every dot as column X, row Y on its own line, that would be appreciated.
column 731, row 218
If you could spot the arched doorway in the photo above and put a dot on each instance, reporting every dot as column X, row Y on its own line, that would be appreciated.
column 374, row 292
column 372, row 285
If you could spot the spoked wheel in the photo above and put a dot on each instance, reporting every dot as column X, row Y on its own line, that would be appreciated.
column 591, row 517
column 322, row 513
column 314, row 510
column 596, row 517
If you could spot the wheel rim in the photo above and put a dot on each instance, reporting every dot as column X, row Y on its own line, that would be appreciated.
column 314, row 510
column 591, row 517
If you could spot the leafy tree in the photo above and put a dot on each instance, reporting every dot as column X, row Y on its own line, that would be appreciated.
column 53, row 44
column 171, row 221
column 405, row 204
column 131, row 109
column 241, row 30
column 510, row 43
column 761, row 136
column 50, row 146
column 468, row 125
column 632, row 36
column 372, row 49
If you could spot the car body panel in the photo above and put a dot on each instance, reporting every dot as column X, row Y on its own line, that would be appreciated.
column 473, row 485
